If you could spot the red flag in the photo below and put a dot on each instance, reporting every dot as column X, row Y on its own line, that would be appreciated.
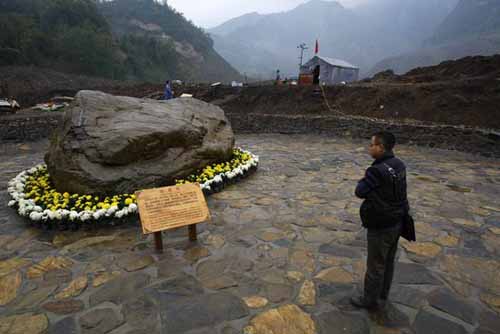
column 317, row 47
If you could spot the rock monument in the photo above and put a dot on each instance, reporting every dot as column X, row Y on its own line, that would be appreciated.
column 110, row 145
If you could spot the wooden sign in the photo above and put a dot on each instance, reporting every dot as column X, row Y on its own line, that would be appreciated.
column 167, row 208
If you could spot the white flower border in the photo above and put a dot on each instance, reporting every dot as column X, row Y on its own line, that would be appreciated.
column 28, row 208
column 238, row 171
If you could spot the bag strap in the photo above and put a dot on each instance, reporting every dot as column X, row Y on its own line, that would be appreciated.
column 391, row 170
column 395, row 183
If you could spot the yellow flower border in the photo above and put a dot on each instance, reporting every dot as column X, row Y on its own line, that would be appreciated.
column 35, row 197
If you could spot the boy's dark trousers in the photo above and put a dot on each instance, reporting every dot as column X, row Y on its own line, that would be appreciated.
column 382, row 248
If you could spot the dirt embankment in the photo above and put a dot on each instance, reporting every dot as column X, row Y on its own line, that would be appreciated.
column 463, row 92
column 31, row 85
column 471, row 102
column 468, row 67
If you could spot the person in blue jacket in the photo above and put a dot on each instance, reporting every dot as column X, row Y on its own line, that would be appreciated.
column 169, row 94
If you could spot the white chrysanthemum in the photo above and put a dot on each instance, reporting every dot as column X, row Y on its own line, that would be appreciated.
column 73, row 215
column 58, row 215
column 36, row 216
column 111, row 210
column 12, row 203
column 132, row 207
column 65, row 213
column 85, row 215
column 102, row 212
column 51, row 215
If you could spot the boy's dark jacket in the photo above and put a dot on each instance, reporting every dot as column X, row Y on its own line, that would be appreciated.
column 384, row 192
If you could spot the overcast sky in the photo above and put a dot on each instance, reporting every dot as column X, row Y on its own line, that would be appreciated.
column 209, row 13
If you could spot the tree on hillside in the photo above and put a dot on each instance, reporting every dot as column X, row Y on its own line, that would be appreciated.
column 66, row 34
column 100, row 38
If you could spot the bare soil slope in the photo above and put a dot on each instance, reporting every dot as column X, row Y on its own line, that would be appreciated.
column 32, row 85
column 463, row 92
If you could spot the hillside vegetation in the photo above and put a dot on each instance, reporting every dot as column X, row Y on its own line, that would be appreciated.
column 120, row 39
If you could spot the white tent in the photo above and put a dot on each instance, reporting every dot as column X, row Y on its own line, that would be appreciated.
column 331, row 71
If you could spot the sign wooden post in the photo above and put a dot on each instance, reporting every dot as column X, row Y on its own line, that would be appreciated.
column 167, row 208
column 158, row 242
column 193, row 236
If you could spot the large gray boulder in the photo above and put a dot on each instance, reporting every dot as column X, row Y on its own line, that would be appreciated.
column 112, row 144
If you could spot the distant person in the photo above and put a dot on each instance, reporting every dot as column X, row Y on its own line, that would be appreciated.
column 15, row 105
column 316, row 75
column 169, row 94
column 384, row 214
column 278, row 76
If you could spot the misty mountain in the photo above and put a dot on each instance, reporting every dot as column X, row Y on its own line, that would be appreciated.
column 362, row 36
column 236, row 23
column 271, row 40
column 251, row 61
column 472, row 28
column 470, row 19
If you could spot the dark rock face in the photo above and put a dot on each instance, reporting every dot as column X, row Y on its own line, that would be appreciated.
column 429, row 323
column 110, row 144
column 411, row 273
column 183, row 315
column 339, row 250
column 446, row 301
column 336, row 322
column 65, row 326
column 100, row 321
column 120, row 289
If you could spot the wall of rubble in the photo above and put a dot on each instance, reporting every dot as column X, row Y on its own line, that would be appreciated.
column 31, row 127
column 476, row 141
column 23, row 127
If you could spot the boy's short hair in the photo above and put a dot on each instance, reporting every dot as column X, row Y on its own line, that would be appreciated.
column 387, row 139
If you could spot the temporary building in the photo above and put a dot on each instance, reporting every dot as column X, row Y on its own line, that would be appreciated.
column 328, row 71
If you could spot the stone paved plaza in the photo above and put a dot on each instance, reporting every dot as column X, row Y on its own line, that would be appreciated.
column 283, row 253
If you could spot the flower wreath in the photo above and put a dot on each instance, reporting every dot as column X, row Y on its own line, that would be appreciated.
column 34, row 196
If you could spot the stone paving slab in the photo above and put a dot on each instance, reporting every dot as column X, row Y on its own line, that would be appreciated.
column 283, row 253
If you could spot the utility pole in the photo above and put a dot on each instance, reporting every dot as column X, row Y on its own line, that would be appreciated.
column 302, row 48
